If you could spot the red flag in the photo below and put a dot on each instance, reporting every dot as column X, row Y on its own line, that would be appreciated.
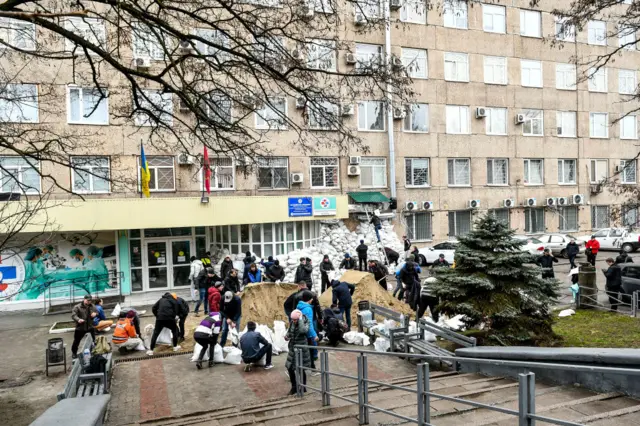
column 207, row 172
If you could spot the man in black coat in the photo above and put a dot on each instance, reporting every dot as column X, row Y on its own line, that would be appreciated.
column 325, row 267
column 440, row 263
column 377, row 225
column 165, row 310
column 232, row 283
column 275, row 272
column 303, row 273
column 342, row 292
column 347, row 262
column 392, row 255
column 362, row 256
column 183, row 313
column 546, row 261
column 225, row 267
column 292, row 301
column 623, row 257
column 379, row 272
column 614, row 282
column 231, row 315
column 572, row 251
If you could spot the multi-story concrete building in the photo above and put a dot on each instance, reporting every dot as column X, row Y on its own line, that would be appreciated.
column 502, row 123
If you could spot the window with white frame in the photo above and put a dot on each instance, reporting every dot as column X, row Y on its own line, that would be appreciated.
column 501, row 215
column 495, row 70
column 459, row 171
column 155, row 108
column 368, row 55
column 87, row 105
column 630, row 216
column 533, row 122
column 598, row 171
column 413, row 11
column 417, row 118
column 627, row 82
column 416, row 172
column 494, row 18
column 598, row 80
column 568, row 218
column 273, row 173
column 496, row 121
column 629, row 127
column 324, row 6
column 373, row 172
column 530, row 23
column 324, row 172
column 498, row 171
column 567, row 172
column 270, row 49
column 217, row 107
column 459, row 223
column 533, row 171
column 371, row 116
column 566, row 124
column 598, row 125
column 534, row 220
column 322, row 115
column 455, row 14
column 415, row 62
column 148, row 42
column 213, row 41
column 597, row 33
column 90, row 175
column 321, row 54
column 162, row 172
column 18, row 34
column 456, row 66
column 564, row 30
column 222, row 173
column 19, row 103
column 600, row 217
column 19, row 175
column 370, row 8
column 628, row 173
column 90, row 29
column 457, row 119
column 419, row 226
column 565, row 76
column 627, row 37
column 272, row 114
column 531, row 73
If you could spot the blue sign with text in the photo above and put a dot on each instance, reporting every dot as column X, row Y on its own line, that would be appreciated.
column 300, row 206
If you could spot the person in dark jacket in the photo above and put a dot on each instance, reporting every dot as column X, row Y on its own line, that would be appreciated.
column 205, row 280
column 297, row 335
column 407, row 245
column 253, row 275
column 206, row 335
column 333, row 326
column 427, row 300
column 231, row 313
column 614, row 283
column 416, row 254
column 165, row 310
column 440, row 263
column 342, row 292
column 303, row 273
column 377, row 225
column 268, row 264
column 275, row 272
column 248, row 260
column 362, row 256
column 251, row 351
column 232, row 283
column 623, row 257
column 379, row 272
column 225, row 267
column 572, row 251
column 546, row 261
column 293, row 299
column 325, row 267
column 348, row 262
column 183, row 313
column 392, row 255
column 83, row 314
column 410, row 278
column 214, row 295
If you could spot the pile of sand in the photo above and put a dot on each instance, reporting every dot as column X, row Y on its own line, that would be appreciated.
column 263, row 303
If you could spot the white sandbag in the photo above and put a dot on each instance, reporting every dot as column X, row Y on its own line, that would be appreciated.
column 413, row 327
column 235, row 337
column 454, row 323
column 566, row 313
column 116, row 311
column 268, row 335
column 196, row 353
column 146, row 335
column 381, row 344
column 234, row 357
column 165, row 337
column 355, row 338
column 218, row 356
column 227, row 349
column 389, row 324
column 279, row 332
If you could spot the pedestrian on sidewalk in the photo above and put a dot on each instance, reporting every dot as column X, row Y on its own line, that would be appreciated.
column 614, row 283
column 297, row 334
column 572, row 251
column 165, row 310
column 231, row 313
column 362, row 256
column 252, row 353
column 623, row 257
column 399, row 291
column 183, row 313
column 82, row 314
column 304, row 272
column 325, row 267
column 305, row 305
column 546, row 261
column 100, row 321
column 342, row 296
column 593, row 246
column 206, row 335
column 195, row 269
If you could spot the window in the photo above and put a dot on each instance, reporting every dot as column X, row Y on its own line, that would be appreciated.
column 373, row 172
column 272, row 114
column 627, row 37
column 455, row 14
column 222, row 173
column 567, row 172
column 599, row 217
column 415, row 61
column 533, row 171
column 501, row 215
column 419, row 226
column 19, row 103
column 497, row 171
column 155, row 107
column 531, row 73
column 217, row 107
column 90, row 29
column 368, row 55
column 321, row 54
column 324, row 172
column 324, row 6
column 414, row 11
column 629, row 127
column 598, row 171
column 87, row 106
column 533, row 122
column 534, row 220
column 627, row 82
column 417, row 118
column 90, row 174
column 530, row 23
column 456, row 66
column 370, row 8
column 630, row 216
column 18, row 174
column 162, row 174
column 459, row 171
column 322, row 115
column 457, row 119
column 565, row 76
column 273, row 173
column 459, row 223
column 598, row 80
column 568, row 218
column 496, row 121
column 493, row 18
column 565, row 31
column 598, row 125
column 416, row 171
column 566, row 124
column 214, row 40
column 147, row 42
column 18, row 34
column 270, row 49
column 597, row 33
column 628, row 173
column 370, row 116
column 495, row 70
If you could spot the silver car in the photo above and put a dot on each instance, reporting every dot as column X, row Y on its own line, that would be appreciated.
column 557, row 243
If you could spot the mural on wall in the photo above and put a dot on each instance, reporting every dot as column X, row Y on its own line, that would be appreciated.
column 62, row 266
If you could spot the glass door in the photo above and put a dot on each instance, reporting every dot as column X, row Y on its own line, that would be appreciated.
column 157, row 264
column 180, row 265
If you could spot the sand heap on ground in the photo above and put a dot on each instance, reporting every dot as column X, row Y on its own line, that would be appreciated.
column 263, row 303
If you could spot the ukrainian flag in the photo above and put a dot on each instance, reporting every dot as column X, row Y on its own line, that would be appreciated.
column 145, row 176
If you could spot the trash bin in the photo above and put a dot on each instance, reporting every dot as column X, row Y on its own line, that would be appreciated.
column 588, row 296
column 363, row 305
column 55, row 354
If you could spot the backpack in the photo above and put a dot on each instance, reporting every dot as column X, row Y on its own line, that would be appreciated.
column 102, row 346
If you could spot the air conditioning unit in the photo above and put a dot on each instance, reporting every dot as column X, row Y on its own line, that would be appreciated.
column 595, row 189
column 481, row 112
column 619, row 169
column 508, row 203
column 297, row 178
column 142, row 63
column 297, row 54
column 347, row 109
column 577, row 199
column 360, row 19
column 395, row 4
column 519, row 118
column 185, row 159
column 474, row 204
column 427, row 205
column 186, row 48
column 399, row 113
column 563, row 201
column 530, row 202
column 354, row 160
column 353, row 170
column 350, row 58
column 396, row 62
column 551, row 202
column 411, row 205
column 301, row 102
column 182, row 106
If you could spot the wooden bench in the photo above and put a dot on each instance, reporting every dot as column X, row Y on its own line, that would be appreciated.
column 419, row 345
column 81, row 384
column 393, row 334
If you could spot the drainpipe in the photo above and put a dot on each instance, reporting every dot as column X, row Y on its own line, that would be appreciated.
column 392, row 149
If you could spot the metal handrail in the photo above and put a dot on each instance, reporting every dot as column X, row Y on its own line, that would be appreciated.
column 526, row 384
column 592, row 300
column 71, row 284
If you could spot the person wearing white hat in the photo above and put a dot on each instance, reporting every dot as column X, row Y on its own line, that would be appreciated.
column 427, row 299
column 232, row 312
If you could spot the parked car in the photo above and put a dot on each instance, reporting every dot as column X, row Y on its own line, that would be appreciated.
column 630, row 280
column 428, row 255
column 557, row 243
column 615, row 239
column 532, row 245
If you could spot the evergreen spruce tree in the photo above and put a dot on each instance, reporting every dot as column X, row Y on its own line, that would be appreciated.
column 497, row 289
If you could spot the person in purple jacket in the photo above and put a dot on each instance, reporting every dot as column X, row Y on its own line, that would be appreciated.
column 206, row 335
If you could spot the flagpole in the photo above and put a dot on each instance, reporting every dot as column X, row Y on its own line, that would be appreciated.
column 140, row 168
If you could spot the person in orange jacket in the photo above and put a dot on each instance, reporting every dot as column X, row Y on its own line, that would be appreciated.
column 124, row 336
column 215, row 295
column 593, row 246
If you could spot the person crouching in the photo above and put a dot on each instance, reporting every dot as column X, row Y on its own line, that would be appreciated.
column 206, row 335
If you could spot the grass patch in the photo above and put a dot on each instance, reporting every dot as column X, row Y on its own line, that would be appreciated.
column 598, row 329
